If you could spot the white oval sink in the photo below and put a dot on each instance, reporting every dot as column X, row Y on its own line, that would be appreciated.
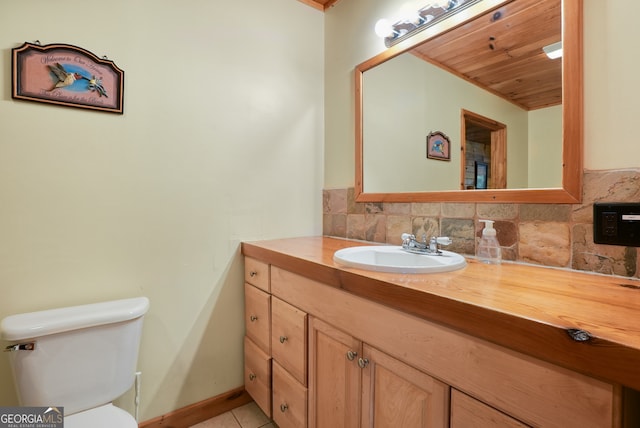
column 389, row 258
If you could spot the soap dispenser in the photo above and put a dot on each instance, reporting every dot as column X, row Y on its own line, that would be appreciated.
column 489, row 250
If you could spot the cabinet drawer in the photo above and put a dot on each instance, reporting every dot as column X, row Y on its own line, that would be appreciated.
column 289, row 400
column 256, row 273
column 257, row 310
column 257, row 375
column 289, row 338
column 467, row 412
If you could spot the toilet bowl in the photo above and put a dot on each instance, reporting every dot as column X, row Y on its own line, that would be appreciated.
column 107, row 416
column 80, row 358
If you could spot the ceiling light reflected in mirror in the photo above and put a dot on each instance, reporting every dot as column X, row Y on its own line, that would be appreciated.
column 553, row 51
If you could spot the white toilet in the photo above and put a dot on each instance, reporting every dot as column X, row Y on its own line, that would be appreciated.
column 80, row 358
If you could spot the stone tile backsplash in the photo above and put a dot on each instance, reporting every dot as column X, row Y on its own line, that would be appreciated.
column 558, row 235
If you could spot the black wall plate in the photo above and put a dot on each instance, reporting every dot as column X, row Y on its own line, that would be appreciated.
column 616, row 224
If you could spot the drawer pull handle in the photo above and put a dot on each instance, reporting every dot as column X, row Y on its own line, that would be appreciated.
column 252, row 377
column 253, row 273
column 284, row 407
column 363, row 362
column 253, row 318
column 283, row 339
column 351, row 355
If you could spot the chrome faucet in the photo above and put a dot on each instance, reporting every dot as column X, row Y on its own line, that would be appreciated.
column 411, row 245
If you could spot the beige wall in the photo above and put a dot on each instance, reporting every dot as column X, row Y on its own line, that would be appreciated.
column 610, row 76
column 545, row 135
column 223, row 116
column 399, row 115
column 611, row 63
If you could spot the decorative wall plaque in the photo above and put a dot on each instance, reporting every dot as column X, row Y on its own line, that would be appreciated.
column 438, row 146
column 66, row 75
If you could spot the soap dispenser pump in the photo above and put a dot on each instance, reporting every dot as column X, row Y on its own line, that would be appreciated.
column 489, row 250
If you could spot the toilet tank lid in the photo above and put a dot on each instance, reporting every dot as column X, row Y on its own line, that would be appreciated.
column 42, row 323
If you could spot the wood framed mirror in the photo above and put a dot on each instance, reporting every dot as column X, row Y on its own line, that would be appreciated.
column 442, row 36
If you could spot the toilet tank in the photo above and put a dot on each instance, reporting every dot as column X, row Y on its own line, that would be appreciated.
column 83, row 356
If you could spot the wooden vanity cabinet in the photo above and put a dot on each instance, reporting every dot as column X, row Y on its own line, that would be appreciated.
column 369, row 365
column 528, row 390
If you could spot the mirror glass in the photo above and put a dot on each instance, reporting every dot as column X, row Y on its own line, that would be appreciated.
column 493, row 99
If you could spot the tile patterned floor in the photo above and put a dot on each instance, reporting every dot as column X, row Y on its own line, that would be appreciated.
column 247, row 416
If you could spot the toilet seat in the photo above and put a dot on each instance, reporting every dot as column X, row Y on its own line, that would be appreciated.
column 106, row 416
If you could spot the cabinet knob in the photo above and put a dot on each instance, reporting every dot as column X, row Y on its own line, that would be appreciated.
column 253, row 273
column 284, row 407
column 252, row 377
column 253, row 318
column 351, row 355
column 283, row 339
column 363, row 362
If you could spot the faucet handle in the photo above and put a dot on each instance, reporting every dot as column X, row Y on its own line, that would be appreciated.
column 406, row 236
column 443, row 240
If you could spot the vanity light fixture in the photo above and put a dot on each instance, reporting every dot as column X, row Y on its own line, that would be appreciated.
column 415, row 19
column 553, row 50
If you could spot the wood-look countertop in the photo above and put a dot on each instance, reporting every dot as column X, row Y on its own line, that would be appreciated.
column 529, row 309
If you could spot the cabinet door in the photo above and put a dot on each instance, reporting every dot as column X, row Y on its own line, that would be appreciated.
column 289, row 338
column 289, row 399
column 395, row 395
column 467, row 412
column 334, row 377
column 257, row 313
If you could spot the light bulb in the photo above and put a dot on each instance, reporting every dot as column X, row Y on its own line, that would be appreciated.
column 384, row 28
column 408, row 13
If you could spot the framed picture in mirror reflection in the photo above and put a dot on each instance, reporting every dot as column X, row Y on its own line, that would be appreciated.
column 438, row 146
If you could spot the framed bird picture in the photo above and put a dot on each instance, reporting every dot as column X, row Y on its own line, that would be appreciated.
column 66, row 75
column 438, row 146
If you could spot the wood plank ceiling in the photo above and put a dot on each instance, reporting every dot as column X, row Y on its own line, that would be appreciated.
column 502, row 52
